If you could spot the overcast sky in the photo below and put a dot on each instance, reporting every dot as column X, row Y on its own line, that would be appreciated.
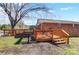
column 60, row 11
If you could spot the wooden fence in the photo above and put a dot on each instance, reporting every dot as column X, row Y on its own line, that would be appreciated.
column 9, row 32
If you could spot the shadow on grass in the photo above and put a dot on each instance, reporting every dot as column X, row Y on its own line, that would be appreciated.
column 19, row 41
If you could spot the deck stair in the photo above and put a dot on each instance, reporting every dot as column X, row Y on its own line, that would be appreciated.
column 60, row 36
column 58, row 41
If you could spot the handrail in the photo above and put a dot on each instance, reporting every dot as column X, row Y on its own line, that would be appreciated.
column 60, row 32
column 55, row 31
column 65, row 32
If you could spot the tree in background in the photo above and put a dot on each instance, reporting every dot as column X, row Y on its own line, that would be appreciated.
column 17, row 11
column 5, row 26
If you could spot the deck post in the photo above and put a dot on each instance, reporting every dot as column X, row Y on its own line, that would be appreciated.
column 67, row 40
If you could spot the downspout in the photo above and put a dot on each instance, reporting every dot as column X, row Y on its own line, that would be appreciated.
column 73, row 25
column 41, row 26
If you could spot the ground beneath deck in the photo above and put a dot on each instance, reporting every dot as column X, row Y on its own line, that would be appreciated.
column 36, row 49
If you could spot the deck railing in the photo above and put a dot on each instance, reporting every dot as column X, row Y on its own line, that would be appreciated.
column 9, row 32
column 61, row 34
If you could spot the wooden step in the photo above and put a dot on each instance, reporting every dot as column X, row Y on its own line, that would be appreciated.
column 58, row 39
column 60, row 42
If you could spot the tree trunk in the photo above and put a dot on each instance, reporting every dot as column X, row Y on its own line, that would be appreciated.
column 12, row 30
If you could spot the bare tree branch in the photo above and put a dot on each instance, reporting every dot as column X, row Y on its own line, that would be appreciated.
column 17, row 11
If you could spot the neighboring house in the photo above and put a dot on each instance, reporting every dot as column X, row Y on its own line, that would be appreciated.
column 22, row 27
column 70, row 27
column 1, row 33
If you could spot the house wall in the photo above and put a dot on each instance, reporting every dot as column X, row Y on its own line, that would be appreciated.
column 73, row 30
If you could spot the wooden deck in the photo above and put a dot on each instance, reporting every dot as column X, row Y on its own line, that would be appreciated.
column 54, row 35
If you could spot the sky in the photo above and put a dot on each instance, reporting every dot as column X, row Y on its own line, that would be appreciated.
column 59, row 11
column 66, row 11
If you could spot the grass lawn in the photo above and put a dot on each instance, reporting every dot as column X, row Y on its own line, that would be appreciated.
column 9, row 41
column 73, row 46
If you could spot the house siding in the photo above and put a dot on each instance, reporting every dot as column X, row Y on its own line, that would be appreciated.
column 69, row 28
